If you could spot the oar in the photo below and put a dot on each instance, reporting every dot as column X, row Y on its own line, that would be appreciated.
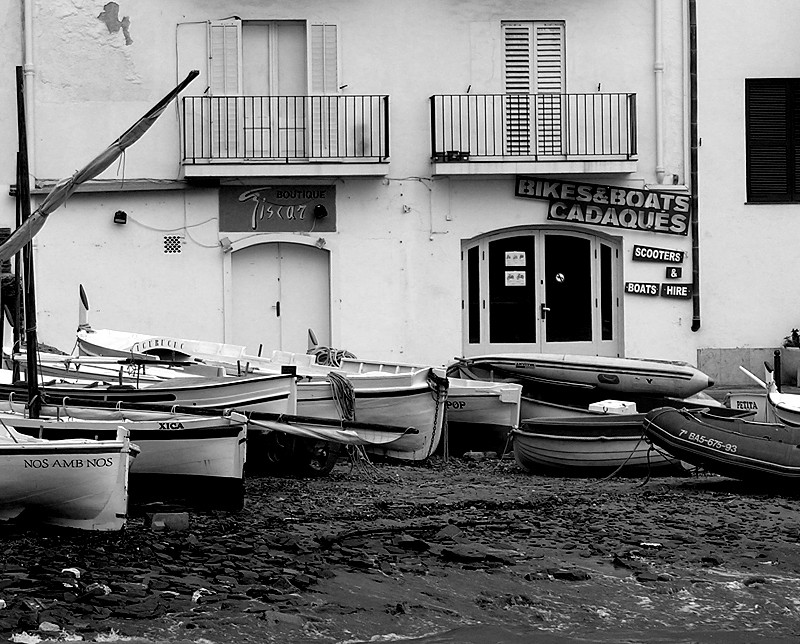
column 754, row 377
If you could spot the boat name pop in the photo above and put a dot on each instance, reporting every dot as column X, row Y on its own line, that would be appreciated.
column 44, row 463
column 709, row 442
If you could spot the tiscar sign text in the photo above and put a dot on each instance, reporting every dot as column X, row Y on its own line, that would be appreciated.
column 277, row 208
column 611, row 206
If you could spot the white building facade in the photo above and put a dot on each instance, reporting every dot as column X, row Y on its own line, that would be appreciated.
column 413, row 181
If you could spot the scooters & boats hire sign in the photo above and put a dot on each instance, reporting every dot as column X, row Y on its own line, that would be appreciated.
column 610, row 206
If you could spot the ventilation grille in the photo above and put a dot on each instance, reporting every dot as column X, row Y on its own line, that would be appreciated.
column 172, row 244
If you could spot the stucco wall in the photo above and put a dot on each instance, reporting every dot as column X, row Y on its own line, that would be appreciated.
column 749, row 252
column 395, row 259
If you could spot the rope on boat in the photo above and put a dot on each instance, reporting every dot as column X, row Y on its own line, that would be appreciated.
column 439, row 387
column 329, row 357
column 633, row 451
column 343, row 395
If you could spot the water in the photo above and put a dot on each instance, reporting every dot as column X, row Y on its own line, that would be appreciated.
column 488, row 634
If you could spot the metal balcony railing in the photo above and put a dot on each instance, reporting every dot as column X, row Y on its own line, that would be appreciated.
column 533, row 127
column 288, row 129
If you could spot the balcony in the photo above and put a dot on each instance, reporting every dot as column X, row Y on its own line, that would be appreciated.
column 533, row 133
column 295, row 136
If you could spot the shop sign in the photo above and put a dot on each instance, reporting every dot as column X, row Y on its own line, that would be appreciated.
column 277, row 209
column 610, row 206
column 651, row 254
column 681, row 291
column 653, row 289
column 674, row 272
column 642, row 288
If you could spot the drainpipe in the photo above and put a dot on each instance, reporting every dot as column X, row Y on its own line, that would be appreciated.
column 28, row 77
column 693, row 164
column 658, row 68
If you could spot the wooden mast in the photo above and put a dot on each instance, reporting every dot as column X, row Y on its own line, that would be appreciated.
column 29, row 300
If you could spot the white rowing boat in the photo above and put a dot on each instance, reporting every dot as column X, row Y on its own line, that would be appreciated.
column 73, row 483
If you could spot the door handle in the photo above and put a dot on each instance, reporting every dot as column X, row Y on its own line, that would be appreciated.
column 544, row 309
column 277, row 308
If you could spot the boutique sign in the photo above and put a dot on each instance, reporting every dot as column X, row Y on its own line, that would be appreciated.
column 611, row 206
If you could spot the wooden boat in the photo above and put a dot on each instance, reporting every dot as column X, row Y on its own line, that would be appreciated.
column 73, row 483
column 537, row 408
column 412, row 398
column 111, row 370
column 576, row 372
column 479, row 414
column 734, row 447
column 265, row 392
column 595, row 444
column 182, row 456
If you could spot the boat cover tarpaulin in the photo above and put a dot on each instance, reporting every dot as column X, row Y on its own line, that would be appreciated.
column 344, row 436
column 64, row 188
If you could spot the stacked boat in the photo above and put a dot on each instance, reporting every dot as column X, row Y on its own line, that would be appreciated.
column 739, row 448
column 571, row 424
column 412, row 398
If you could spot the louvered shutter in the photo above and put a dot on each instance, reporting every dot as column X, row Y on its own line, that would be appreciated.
column 767, row 140
column 324, row 87
column 224, row 57
column 225, row 80
column 518, row 45
column 534, row 71
column 549, row 75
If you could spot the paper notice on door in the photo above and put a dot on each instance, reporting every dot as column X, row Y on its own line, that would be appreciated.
column 515, row 278
column 515, row 258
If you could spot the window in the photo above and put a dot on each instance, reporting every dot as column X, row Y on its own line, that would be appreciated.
column 772, row 124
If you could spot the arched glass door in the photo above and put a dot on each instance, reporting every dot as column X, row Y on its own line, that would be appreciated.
column 542, row 290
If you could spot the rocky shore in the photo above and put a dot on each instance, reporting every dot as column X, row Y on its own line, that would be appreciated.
column 456, row 551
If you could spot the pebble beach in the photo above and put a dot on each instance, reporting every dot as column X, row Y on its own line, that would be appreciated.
column 462, row 550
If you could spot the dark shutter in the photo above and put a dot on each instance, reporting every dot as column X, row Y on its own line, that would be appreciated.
column 773, row 134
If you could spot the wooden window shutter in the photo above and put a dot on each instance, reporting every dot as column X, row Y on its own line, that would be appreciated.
column 224, row 57
column 768, row 145
column 225, row 79
column 518, row 77
column 534, row 74
column 549, row 63
column 325, row 136
column 518, row 46
column 324, row 68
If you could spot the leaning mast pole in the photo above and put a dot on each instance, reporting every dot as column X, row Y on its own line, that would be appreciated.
column 29, row 299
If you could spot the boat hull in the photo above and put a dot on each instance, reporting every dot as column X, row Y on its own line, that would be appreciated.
column 71, row 483
column 479, row 415
column 273, row 393
column 179, row 455
column 732, row 447
column 620, row 375
column 399, row 398
column 589, row 445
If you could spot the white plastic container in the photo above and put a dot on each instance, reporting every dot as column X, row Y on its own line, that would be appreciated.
column 614, row 407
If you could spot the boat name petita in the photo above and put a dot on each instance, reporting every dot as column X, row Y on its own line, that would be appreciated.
column 45, row 463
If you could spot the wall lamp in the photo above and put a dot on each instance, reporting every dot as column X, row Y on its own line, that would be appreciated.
column 120, row 217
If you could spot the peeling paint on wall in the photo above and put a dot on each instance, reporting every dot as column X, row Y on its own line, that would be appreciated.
column 110, row 16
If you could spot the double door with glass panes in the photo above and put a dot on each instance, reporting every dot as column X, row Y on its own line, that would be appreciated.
column 542, row 291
